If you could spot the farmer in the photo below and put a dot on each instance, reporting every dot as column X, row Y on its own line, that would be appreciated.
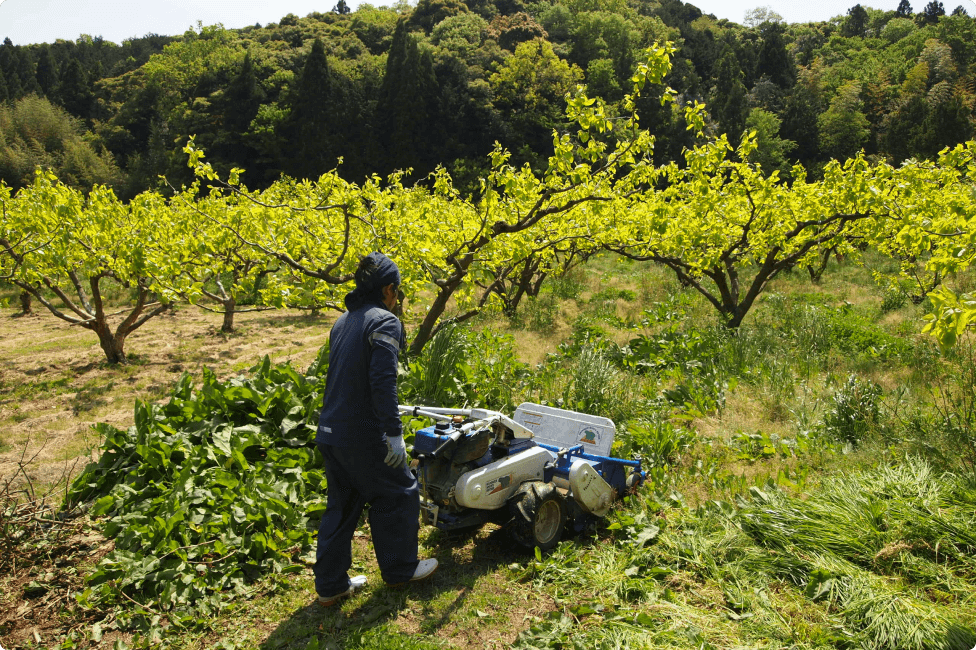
column 361, row 441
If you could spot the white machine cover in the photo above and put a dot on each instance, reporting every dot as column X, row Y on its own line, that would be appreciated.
column 562, row 428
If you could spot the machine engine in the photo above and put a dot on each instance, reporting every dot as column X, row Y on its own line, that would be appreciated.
column 438, row 476
column 481, row 470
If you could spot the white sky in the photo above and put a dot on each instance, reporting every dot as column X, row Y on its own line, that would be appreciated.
column 44, row 21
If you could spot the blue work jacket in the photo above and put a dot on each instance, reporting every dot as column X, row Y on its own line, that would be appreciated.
column 360, row 403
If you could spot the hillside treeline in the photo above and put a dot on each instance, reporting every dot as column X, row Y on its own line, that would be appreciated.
column 385, row 88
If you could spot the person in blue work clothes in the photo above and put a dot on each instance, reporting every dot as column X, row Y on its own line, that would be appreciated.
column 361, row 440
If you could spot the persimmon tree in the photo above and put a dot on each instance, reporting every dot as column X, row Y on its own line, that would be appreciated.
column 935, row 221
column 524, row 277
column 312, row 229
column 726, row 229
column 220, row 270
column 65, row 249
column 521, row 213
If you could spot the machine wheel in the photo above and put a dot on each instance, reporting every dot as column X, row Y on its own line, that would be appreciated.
column 634, row 481
column 538, row 515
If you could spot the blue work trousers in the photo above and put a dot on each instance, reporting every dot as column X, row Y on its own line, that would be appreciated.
column 357, row 476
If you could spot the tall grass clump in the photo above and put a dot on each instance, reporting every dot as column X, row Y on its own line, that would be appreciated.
column 537, row 313
column 569, row 285
column 697, row 393
column 436, row 377
column 955, row 406
column 854, row 410
column 811, row 335
column 495, row 373
column 597, row 386
column 656, row 438
column 747, row 353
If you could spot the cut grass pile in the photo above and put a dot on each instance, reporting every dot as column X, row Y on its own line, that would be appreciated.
column 880, row 559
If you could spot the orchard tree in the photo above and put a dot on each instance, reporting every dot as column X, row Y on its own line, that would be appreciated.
column 520, row 278
column 65, row 249
column 320, row 229
column 521, row 213
column 316, row 229
column 726, row 229
column 219, row 268
column 936, row 224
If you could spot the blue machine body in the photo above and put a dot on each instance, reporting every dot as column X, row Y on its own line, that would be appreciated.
column 614, row 471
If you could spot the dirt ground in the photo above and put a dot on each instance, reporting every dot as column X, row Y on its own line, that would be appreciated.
column 55, row 383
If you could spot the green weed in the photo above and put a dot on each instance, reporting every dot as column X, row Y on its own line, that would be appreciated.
column 539, row 312
column 436, row 376
column 34, row 389
column 854, row 410
column 656, row 439
column 954, row 402
column 216, row 486
column 761, row 446
column 892, row 299
column 568, row 286
column 496, row 375
column 597, row 386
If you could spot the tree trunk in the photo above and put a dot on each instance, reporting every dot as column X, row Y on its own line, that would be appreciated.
column 229, row 306
column 25, row 304
column 112, row 345
column 426, row 329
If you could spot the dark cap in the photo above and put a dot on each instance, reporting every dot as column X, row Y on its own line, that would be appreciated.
column 376, row 270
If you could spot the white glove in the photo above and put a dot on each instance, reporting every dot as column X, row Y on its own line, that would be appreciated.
column 397, row 451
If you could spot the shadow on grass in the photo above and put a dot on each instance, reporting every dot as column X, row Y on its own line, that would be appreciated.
column 299, row 320
column 424, row 608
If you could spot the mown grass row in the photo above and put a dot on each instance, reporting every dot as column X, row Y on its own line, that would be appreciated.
column 879, row 559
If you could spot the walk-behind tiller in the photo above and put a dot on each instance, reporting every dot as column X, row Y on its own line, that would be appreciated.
column 538, row 472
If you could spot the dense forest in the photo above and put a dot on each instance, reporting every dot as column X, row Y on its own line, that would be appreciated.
column 381, row 89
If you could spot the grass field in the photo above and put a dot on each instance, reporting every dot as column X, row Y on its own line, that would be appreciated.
column 812, row 478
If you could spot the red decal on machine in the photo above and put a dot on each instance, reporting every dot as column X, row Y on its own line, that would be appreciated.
column 498, row 484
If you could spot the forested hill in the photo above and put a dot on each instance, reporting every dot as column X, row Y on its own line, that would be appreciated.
column 386, row 88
